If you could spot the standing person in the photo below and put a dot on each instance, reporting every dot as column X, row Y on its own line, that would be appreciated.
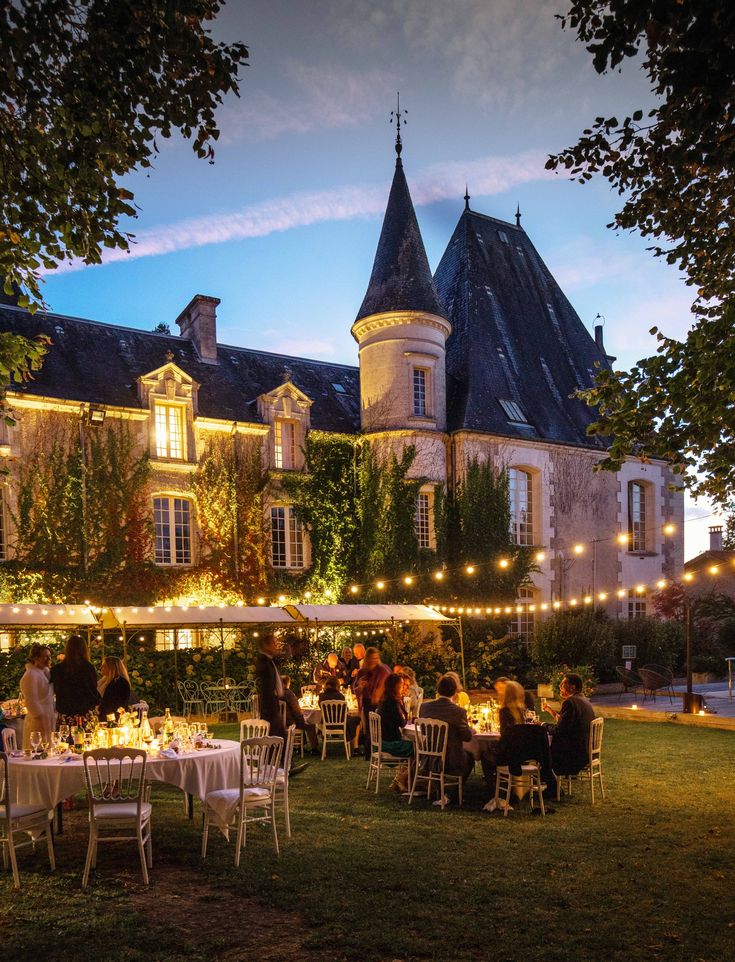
column 35, row 686
column 75, row 682
column 269, row 685
column 571, row 735
column 355, row 662
column 369, row 683
column 113, row 686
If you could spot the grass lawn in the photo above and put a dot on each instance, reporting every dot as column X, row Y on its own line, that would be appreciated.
column 647, row 873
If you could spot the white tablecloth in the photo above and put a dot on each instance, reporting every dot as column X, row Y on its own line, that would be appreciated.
column 50, row 781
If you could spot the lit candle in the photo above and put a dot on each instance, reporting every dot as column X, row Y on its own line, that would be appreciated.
column 634, row 707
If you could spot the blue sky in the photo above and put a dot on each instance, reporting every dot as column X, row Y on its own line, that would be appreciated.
column 283, row 226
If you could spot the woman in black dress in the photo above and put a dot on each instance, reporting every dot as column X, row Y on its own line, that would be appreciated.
column 114, row 687
column 75, row 683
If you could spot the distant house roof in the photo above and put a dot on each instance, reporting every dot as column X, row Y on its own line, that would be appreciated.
column 709, row 558
column 518, row 349
column 100, row 363
column 401, row 277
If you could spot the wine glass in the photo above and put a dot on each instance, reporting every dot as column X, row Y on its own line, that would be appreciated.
column 55, row 738
column 64, row 733
column 35, row 741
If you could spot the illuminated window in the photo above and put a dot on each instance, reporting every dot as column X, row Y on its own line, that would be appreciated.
column 637, row 516
column 636, row 604
column 420, row 392
column 169, row 431
column 520, row 485
column 172, row 522
column 165, row 639
column 287, row 539
column 422, row 520
column 284, row 443
column 525, row 620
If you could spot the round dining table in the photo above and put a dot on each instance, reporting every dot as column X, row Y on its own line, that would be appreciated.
column 48, row 781
column 474, row 746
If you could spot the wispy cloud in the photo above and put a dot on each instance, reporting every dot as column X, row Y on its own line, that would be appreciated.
column 315, row 97
column 488, row 175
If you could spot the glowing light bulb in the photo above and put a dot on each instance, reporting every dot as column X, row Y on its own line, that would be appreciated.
column 439, row 575
column 714, row 569
column 307, row 595
column 557, row 605
column 544, row 606
column 470, row 569
column 623, row 539
column 380, row 585
column 588, row 599
column 669, row 529
column 573, row 602
column 621, row 593
column 540, row 556
column 503, row 563
column 354, row 589
column 688, row 576
column 602, row 595
column 408, row 580
column 261, row 601
column 579, row 549
column 660, row 583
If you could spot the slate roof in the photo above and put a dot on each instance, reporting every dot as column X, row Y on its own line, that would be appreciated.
column 401, row 277
column 723, row 556
column 515, row 338
column 99, row 363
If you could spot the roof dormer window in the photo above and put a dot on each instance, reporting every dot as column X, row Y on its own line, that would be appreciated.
column 169, row 427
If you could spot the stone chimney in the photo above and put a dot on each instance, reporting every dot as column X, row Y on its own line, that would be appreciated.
column 715, row 537
column 198, row 323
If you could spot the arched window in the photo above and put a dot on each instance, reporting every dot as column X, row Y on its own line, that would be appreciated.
column 638, row 516
column 521, row 506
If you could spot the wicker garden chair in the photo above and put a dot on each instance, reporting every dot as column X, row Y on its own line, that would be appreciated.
column 656, row 678
column 631, row 681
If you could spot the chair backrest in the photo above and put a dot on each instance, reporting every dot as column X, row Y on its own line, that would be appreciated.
column 664, row 672
column 653, row 680
column 228, row 682
column 376, row 732
column 5, row 785
column 10, row 740
column 288, row 749
column 255, row 705
column 596, row 729
column 254, row 728
column 240, row 697
column 282, row 710
column 260, row 759
column 628, row 677
column 334, row 714
column 431, row 738
column 115, row 775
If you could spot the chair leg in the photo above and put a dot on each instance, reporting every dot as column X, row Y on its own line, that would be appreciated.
column 540, row 794
column 324, row 745
column 50, row 846
column 13, row 860
column 141, row 852
column 149, row 846
column 205, row 831
column 240, row 840
column 286, row 809
column 592, row 784
column 508, row 789
column 273, row 825
column 90, row 854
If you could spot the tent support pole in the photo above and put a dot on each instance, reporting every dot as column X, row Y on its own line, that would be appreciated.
column 125, row 643
column 461, row 650
column 176, row 668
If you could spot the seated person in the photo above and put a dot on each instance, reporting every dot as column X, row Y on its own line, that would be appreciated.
column 393, row 718
column 411, row 689
column 461, row 698
column 458, row 761
column 512, row 712
column 114, row 687
column 294, row 715
column 571, row 734
column 329, row 668
column 499, row 687
column 331, row 692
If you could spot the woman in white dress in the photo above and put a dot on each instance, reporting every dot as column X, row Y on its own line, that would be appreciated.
column 36, row 689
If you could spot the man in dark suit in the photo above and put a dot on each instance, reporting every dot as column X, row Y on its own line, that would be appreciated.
column 270, row 691
column 294, row 715
column 269, row 685
column 458, row 761
column 571, row 735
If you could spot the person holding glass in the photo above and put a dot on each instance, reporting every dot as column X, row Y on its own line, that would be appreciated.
column 35, row 686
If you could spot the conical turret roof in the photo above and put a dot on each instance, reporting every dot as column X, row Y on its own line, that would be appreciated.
column 401, row 279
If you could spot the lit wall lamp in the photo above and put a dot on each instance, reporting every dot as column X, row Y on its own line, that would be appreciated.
column 96, row 414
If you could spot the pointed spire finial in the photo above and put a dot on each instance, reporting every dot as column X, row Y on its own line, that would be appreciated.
column 466, row 198
column 399, row 116
column 518, row 215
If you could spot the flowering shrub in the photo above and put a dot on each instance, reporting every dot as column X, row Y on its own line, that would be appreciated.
column 585, row 672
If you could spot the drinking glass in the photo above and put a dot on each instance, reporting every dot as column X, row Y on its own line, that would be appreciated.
column 35, row 741
column 64, row 733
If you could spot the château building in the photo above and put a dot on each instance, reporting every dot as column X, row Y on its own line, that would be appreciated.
column 481, row 360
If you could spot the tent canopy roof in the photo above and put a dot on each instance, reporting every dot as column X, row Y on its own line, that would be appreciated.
column 365, row 614
column 183, row 616
column 45, row 616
